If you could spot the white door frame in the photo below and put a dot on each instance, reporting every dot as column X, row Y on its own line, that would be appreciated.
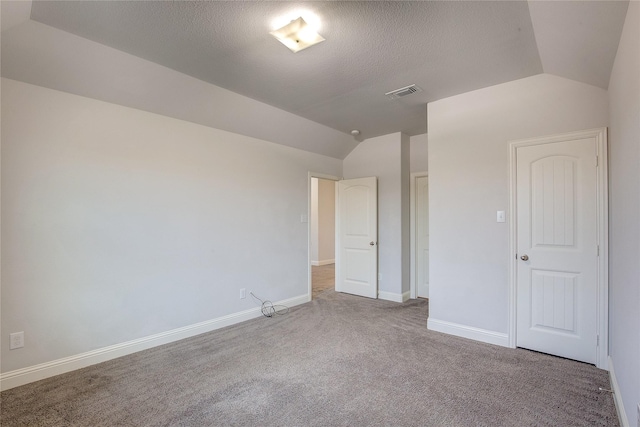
column 319, row 176
column 602, row 200
column 413, row 288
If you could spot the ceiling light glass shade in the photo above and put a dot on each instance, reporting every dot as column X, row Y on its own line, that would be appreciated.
column 297, row 35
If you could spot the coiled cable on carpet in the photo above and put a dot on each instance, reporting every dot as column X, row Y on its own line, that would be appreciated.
column 268, row 309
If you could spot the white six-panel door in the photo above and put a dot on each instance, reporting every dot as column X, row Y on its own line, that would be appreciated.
column 357, row 237
column 557, row 248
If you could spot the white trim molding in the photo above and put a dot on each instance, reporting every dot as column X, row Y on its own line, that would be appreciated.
column 30, row 374
column 412, row 200
column 600, row 137
column 470, row 332
column 617, row 396
column 392, row 296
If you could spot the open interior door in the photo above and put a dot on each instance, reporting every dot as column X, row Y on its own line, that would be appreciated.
column 357, row 237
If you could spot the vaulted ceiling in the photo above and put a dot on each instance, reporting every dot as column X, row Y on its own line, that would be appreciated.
column 371, row 47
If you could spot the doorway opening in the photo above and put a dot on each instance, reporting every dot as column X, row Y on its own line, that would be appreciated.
column 322, row 231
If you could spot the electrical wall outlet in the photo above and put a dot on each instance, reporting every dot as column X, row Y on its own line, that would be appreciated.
column 17, row 340
column 243, row 293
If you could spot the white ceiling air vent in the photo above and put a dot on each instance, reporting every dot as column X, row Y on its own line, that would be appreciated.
column 403, row 91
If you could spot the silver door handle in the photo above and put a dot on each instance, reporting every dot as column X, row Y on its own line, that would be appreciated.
column 524, row 257
column 372, row 243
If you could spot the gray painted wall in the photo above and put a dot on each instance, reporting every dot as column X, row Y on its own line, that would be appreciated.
column 624, row 218
column 405, row 206
column 118, row 223
column 419, row 153
column 469, row 182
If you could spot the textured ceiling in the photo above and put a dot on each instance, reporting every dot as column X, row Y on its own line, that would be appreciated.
column 372, row 47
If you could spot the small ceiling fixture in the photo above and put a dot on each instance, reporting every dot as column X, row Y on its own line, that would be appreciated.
column 297, row 35
column 355, row 132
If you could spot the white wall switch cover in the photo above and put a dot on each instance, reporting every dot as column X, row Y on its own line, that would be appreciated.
column 304, row 218
column 500, row 217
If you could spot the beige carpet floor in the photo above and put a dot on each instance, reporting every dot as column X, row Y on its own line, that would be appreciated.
column 322, row 278
column 338, row 360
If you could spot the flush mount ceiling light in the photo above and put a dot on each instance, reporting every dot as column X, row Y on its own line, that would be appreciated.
column 297, row 35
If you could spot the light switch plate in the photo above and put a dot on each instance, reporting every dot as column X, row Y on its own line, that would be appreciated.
column 500, row 217
column 304, row 218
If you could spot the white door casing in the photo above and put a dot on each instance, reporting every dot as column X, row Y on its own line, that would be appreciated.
column 357, row 237
column 422, row 236
column 557, row 237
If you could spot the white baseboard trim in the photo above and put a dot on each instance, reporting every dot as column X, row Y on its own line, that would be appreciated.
column 617, row 396
column 30, row 374
column 323, row 262
column 391, row 296
column 464, row 331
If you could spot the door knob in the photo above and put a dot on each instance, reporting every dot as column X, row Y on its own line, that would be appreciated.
column 525, row 257
column 372, row 243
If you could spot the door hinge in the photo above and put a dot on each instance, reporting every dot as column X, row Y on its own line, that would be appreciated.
column 597, row 340
column 596, row 161
column 598, row 250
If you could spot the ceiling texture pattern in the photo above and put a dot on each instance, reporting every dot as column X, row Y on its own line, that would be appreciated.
column 371, row 47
